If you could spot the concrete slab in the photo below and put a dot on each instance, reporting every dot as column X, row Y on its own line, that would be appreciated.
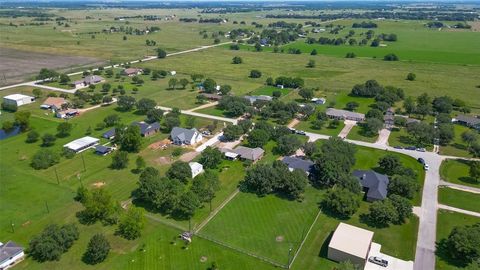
column 393, row 263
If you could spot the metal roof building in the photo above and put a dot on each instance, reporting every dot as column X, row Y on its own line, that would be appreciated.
column 350, row 243
column 82, row 144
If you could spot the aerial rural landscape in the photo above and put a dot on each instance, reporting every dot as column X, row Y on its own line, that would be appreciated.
column 240, row 135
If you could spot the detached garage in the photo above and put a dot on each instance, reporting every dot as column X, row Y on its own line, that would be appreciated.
column 350, row 243
column 82, row 144
column 18, row 99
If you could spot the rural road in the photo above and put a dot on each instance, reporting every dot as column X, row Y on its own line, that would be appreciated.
column 460, row 187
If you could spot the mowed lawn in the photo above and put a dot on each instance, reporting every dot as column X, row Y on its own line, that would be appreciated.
column 267, row 226
column 457, row 171
column 459, row 199
column 446, row 221
column 457, row 147
column 358, row 134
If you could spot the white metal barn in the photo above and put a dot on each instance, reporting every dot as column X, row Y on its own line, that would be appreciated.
column 18, row 99
column 81, row 144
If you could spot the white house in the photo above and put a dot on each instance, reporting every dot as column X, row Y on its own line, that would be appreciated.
column 82, row 144
column 10, row 254
column 180, row 136
column 196, row 168
column 18, row 99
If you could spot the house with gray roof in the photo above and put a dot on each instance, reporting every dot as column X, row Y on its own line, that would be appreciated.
column 10, row 254
column 147, row 129
column 252, row 99
column 344, row 115
column 293, row 163
column 181, row 136
column 469, row 121
column 374, row 184
column 247, row 153
column 109, row 134
column 88, row 80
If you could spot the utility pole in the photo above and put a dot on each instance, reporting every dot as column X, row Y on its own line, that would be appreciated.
column 46, row 205
column 83, row 160
column 13, row 226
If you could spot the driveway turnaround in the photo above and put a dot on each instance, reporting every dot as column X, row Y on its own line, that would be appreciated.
column 346, row 129
column 393, row 263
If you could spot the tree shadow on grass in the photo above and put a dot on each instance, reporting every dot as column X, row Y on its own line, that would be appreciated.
column 459, row 146
column 443, row 252
column 365, row 219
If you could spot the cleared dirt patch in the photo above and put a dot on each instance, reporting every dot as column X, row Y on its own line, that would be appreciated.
column 163, row 160
column 98, row 184
column 18, row 65
column 160, row 144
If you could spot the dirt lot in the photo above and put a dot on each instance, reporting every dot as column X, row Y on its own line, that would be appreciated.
column 20, row 65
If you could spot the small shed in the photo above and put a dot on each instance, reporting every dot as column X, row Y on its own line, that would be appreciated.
column 196, row 168
column 103, row 150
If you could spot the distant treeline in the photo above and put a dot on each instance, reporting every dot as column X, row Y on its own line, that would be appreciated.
column 400, row 15
column 232, row 10
column 211, row 20
column 188, row 20
column 364, row 25
column 24, row 13
column 284, row 24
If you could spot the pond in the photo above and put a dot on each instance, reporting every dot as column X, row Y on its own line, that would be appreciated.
column 7, row 134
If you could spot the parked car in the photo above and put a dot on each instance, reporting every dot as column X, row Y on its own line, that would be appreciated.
column 410, row 148
column 301, row 132
column 421, row 149
column 398, row 147
column 425, row 167
column 378, row 261
column 293, row 130
column 421, row 160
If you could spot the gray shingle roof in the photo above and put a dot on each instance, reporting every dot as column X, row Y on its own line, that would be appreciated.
column 145, row 128
column 249, row 153
column 183, row 134
column 109, row 133
column 377, row 184
column 469, row 120
column 298, row 163
column 252, row 99
column 8, row 250
column 344, row 113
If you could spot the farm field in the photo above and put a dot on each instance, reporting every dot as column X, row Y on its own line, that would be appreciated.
column 416, row 43
column 331, row 75
column 445, row 223
column 459, row 199
column 457, row 171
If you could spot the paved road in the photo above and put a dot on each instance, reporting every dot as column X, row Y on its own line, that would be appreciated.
column 189, row 112
column 460, row 187
column 346, row 129
column 212, row 141
column 454, row 209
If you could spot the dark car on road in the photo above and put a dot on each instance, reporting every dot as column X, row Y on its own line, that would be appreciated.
column 410, row 148
column 421, row 160
column 398, row 147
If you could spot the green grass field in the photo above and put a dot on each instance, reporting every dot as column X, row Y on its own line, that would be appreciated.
column 416, row 43
column 457, row 171
column 459, row 199
column 457, row 147
column 446, row 221
column 267, row 226
column 358, row 134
